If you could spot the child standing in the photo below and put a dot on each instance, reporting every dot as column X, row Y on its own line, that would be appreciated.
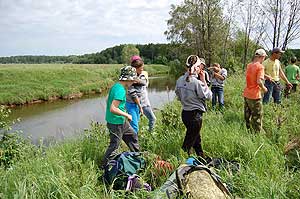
column 116, row 117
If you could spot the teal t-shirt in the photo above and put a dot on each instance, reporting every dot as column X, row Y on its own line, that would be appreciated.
column 291, row 72
column 117, row 92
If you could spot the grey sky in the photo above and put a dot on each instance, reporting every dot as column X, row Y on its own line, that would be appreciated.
column 65, row 27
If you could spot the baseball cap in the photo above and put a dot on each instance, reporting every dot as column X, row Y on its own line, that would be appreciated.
column 277, row 50
column 260, row 52
column 128, row 73
column 134, row 58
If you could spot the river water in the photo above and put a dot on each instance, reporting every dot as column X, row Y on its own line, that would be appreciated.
column 63, row 119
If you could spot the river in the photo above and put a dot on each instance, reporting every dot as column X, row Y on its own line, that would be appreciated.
column 55, row 121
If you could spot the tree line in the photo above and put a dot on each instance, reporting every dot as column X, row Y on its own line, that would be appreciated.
column 151, row 53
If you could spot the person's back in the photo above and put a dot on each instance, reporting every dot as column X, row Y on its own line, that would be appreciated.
column 252, row 89
column 253, row 108
column 191, row 92
column 292, row 73
column 117, row 92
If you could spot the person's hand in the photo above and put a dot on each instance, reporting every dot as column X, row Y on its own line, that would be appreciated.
column 289, row 85
column 202, row 75
column 141, row 111
column 269, row 78
column 217, row 69
column 129, row 117
column 264, row 89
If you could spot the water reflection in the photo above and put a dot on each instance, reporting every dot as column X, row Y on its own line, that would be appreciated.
column 61, row 119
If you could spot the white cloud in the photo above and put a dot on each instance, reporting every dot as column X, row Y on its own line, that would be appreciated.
column 79, row 26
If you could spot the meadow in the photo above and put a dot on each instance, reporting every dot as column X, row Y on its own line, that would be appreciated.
column 34, row 83
column 70, row 169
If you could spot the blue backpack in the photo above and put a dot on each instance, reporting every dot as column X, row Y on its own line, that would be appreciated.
column 121, row 171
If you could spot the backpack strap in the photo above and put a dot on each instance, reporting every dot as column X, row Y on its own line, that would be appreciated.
column 178, row 182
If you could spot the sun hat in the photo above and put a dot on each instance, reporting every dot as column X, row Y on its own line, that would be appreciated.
column 134, row 58
column 260, row 52
column 277, row 50
column 128, row 73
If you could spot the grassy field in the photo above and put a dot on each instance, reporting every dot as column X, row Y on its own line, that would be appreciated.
column 22, row 83
column 70, row 169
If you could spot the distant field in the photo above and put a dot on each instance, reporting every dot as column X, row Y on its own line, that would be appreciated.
column 29, row 83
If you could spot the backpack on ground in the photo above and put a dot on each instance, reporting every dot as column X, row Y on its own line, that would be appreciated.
column 193, row 181
column 121, row 172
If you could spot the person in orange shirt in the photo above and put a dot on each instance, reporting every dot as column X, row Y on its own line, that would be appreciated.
column 253, row 91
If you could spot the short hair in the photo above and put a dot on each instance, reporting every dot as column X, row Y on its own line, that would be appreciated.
column 137, row 63
column 294, row 60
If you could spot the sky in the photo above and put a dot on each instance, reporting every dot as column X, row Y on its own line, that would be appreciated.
column 77, row 27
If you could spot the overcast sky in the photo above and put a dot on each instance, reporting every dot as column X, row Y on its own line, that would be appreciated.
column 66, row 27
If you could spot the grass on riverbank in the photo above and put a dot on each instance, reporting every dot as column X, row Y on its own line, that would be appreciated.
column 22, row 83
column 70, row 169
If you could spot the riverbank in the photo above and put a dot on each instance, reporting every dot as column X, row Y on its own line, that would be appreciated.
column 70, row 169
column 35, row 83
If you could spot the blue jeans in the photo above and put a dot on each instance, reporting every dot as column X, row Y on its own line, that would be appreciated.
column 150, row 116
column 134, row 111
column 274, row 89
column 217, row 95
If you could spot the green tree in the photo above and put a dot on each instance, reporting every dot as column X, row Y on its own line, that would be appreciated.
column 199, row 25
column 128, row 51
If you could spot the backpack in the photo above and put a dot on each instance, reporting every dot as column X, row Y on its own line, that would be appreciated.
column 121, row 171
column 193, row 181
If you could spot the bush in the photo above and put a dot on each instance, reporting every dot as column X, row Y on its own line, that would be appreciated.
column 12, row 146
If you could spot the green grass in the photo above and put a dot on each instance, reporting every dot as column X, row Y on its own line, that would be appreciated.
column 22, row 83
column 70, row 169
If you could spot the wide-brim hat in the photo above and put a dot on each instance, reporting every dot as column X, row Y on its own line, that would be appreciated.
column 128, row 73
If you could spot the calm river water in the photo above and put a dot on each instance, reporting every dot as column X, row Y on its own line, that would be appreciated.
column 62, row 119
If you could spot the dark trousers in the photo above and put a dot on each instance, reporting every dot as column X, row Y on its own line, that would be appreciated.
column 118, row 132
column 193, row 123
column 288, row 90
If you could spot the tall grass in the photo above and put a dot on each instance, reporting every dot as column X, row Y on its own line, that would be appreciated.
column 71, row 169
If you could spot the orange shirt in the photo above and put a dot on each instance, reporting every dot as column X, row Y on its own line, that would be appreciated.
column 254, row 72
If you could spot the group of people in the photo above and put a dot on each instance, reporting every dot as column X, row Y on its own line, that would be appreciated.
column 192, row 89
column 127, row 101
column 263, row 82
